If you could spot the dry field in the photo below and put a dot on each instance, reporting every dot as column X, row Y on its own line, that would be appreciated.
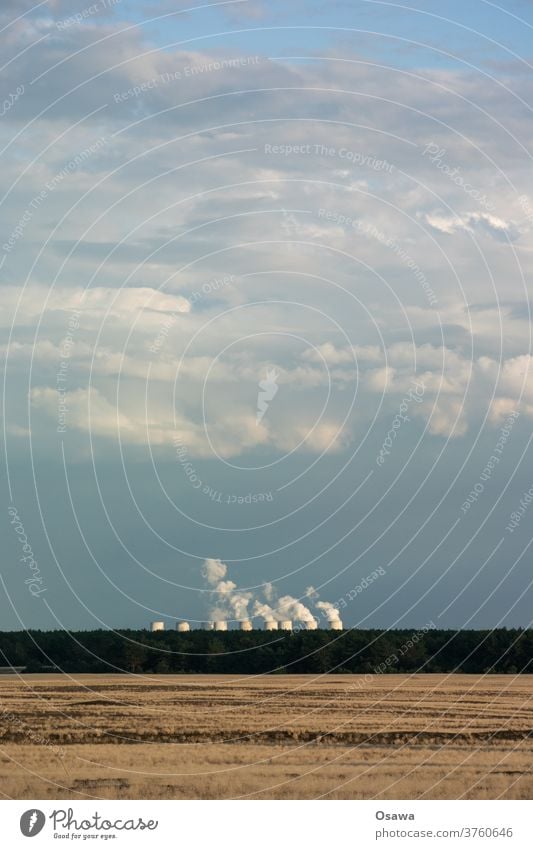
column 282, row 737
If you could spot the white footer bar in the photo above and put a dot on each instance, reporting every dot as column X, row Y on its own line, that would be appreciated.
column 262, row 825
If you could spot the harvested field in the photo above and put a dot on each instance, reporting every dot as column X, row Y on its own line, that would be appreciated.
column 281, row 736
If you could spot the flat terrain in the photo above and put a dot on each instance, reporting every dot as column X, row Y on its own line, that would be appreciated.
column 280, row 736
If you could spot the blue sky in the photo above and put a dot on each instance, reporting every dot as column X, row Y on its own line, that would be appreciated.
column 264, row 287
column 477, row 32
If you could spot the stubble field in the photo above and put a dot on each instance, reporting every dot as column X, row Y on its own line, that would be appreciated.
column 281, row 736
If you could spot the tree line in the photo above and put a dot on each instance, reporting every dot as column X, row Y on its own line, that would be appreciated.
column 259, row 652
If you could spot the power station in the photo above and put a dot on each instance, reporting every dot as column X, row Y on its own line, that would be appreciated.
column 333, row 624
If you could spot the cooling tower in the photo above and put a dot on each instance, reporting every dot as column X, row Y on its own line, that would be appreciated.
column 335, row 624
column 312, row 625
column 220, row 625
column 270, row 625
column 183, row 626
column 157, row 626
column 245, row 625
column 285, row 625
column 208, row 626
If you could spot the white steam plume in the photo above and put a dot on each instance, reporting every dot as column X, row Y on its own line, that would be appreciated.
column 214, row 570
column 286, row 607
column 268, row 591
column 264, row 610
column 230, row 602
column 329, row 609
column 290, row 608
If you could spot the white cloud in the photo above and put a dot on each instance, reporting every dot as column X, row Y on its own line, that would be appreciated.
column 447, row 417
column 256, row 216
column 470, row 222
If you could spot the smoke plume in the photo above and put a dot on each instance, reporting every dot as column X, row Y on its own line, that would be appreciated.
column 331, row 612
column 214, row 570
column 231, row 603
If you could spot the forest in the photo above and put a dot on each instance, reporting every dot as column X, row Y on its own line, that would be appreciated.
column 371, row 652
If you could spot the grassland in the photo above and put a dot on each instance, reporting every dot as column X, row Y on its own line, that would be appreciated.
column 284, row 737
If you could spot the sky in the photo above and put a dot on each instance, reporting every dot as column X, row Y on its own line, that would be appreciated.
column 265, row 273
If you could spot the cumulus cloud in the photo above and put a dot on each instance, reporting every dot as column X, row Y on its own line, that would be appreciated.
column 470, row 222
column 309, row 209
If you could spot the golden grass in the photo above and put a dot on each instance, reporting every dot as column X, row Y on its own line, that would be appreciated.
column 283, row 737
